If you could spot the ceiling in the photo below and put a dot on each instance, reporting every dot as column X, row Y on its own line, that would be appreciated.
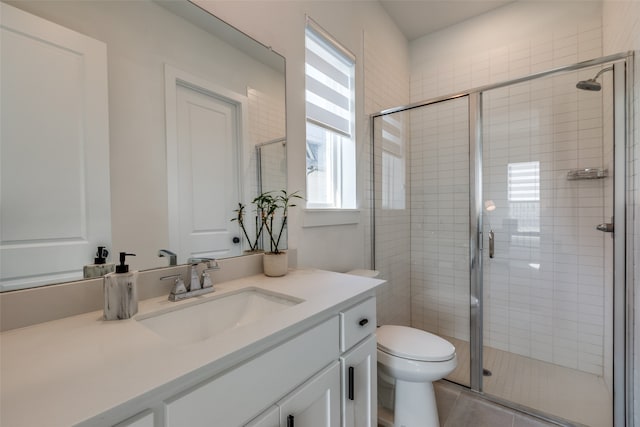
column 416, row 18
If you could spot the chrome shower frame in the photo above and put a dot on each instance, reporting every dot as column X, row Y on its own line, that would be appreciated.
column 623, row 321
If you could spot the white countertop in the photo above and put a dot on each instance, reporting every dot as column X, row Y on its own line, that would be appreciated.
column 64, row 372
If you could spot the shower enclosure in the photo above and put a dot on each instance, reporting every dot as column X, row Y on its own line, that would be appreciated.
column 501, row 212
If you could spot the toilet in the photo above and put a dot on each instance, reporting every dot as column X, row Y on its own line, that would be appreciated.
column 409, row 361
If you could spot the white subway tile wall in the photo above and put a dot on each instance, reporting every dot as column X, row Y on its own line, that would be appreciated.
column 440, row 218
column 386, row 85
column 545, row 288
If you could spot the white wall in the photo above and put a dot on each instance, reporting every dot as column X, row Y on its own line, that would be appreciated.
column 381, row 82
column 513, row 41
column 621, row 32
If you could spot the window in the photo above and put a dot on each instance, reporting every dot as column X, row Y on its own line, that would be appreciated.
column 330, row 105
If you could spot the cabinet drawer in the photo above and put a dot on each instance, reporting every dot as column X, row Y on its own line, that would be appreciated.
column 356, row 323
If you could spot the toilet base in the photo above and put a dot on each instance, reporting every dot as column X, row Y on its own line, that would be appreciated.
column 415, row 405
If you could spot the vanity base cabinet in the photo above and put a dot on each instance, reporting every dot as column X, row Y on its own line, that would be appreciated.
column 359, row 391
column 235, row 397
column 322, row 376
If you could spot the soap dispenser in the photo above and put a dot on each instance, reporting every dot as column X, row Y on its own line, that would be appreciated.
column 120, row 291
column 100, row 267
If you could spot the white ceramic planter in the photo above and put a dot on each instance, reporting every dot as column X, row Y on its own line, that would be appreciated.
column 275, row 265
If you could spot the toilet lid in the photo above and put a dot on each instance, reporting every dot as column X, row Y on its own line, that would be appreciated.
column 414, row 344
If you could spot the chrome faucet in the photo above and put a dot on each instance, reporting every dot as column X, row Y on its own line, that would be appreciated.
column 194, row 284
column 209, row 261
column 179, row 291
column 173, row 258
column 205, row 282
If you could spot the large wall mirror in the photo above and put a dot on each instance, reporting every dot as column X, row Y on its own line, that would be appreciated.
column 131, row 125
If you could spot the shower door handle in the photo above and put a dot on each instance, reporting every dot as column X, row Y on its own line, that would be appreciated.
column 492, row 244
column 606, row 227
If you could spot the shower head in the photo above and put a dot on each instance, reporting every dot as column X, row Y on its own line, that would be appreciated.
column 592, row 84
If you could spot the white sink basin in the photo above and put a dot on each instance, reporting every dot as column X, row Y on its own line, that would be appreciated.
column 204, row 318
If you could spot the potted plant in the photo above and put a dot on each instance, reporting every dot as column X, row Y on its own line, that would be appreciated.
column 240, row 217
column 274, row 212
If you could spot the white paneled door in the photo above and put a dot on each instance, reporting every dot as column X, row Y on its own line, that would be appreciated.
column 54, row 149
column 203, row 171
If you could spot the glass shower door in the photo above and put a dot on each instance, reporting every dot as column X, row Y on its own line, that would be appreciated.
column 422, row 221
column 547, row 160
column 439, row 147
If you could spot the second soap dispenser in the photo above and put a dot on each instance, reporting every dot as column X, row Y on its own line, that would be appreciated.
column 100, row 267
column 121, row 291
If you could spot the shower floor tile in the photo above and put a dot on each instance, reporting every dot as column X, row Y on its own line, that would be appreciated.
column 565, row 393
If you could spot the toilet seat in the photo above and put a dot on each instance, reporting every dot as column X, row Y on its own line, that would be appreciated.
column 414, row 344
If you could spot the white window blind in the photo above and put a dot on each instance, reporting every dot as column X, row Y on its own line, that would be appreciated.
column 330, row 114
column 329, row 82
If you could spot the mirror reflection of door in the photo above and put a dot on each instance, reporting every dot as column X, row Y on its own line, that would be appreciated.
column 205, row 178
column 54, row 146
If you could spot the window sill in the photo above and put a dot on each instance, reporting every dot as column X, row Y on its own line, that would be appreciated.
column 329, row 217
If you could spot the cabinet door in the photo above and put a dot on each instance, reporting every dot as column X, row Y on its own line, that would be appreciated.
column 269, row 418
column 359, row 391
column 316, row 403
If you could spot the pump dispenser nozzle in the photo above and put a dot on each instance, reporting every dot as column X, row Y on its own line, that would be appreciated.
column 101, row 255
column 122, row 267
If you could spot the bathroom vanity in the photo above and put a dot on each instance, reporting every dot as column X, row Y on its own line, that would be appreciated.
column 292, row 351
